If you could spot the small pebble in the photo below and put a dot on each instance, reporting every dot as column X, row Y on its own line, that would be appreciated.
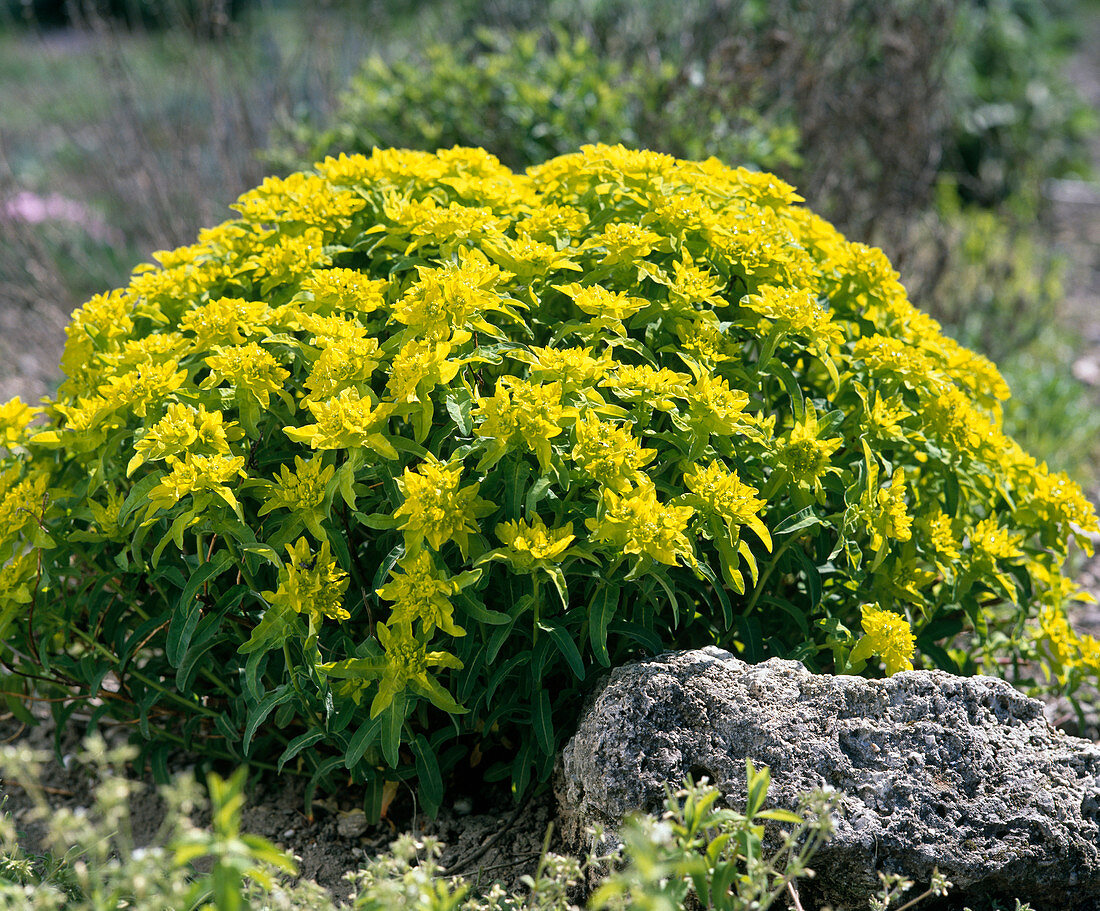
column 464, row 806
column 289, row 833
column 351, row 824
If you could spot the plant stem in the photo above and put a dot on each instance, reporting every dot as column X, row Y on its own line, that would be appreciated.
column 148, row 681
column 764, row 576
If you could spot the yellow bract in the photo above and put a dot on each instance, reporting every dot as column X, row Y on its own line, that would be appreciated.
column 346, row 421
column 608, row 453
column 638, row 523
column 344, row 362
column 225, row 321
column 421, row 594
column 457, row 295
column 607, row 308
column 530, row 543
column 15, row 417
column 195, row 474
column 722, row 493
column 249, row 369
column 643, row 385
column 437, row 508
column 312, row 583
column 523, row 414
column 183, row 429
column 887, row 635
column 805, row 455
column 303, row 492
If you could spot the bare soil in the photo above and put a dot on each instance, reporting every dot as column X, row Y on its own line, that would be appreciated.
column 487, row 835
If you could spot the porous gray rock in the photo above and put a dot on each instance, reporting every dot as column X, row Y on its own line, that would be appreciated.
column 933, row 770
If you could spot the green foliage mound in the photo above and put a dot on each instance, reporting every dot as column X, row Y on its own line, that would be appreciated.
column 379, row 476
column 527, row 96
column 524, row 99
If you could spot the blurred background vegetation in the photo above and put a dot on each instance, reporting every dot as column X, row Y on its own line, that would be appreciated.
column 933, row 128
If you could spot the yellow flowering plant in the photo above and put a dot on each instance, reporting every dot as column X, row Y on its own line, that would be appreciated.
column 376, row 477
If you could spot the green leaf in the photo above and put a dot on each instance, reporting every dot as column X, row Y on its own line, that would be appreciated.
column 558, row 578
column 950, row 492
column 646, row 638
column 138, row 497
column 458, row 404
column 175, row 534
column 422, row 419
column 399, row 444
column 393, row 722
column 320, row 776
column 521, row 770
column 500, row 673
column 260, row 711
column 567, row 647
column 811, row 574
column 298, row 744
column 373, row 797
column 188, row 611
column 779, row 815
column 265, row 551
column 361, row 741
column 431, row 688
column 139, row 636
column 600, row 615
column 719, row 590
column 252, row 686
column 380, row 521
column 758, row 782
column 535, row 495
column 18, row 708
column 345, row 479
column 797, row 614
column 227, row 729
column 478, row 611
column 544, row 722
column 206, row 636
column 779, row 369
column 355, row 668
column 748, row 629
column 275, row 627
column 804, row 518
column 429, row 779
column 946, row 624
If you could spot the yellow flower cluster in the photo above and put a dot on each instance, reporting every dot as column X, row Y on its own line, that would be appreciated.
column 635, row 522
column 436, row 508
column 421, row 594
column 524, row 414
column 608, row 454
column 15, row 418
column 722, row 493
column 530, row 543
column 311, row 584
column 887, row 635
column 425, row 384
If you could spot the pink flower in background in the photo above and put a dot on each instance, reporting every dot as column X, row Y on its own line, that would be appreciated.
column 33, row 208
